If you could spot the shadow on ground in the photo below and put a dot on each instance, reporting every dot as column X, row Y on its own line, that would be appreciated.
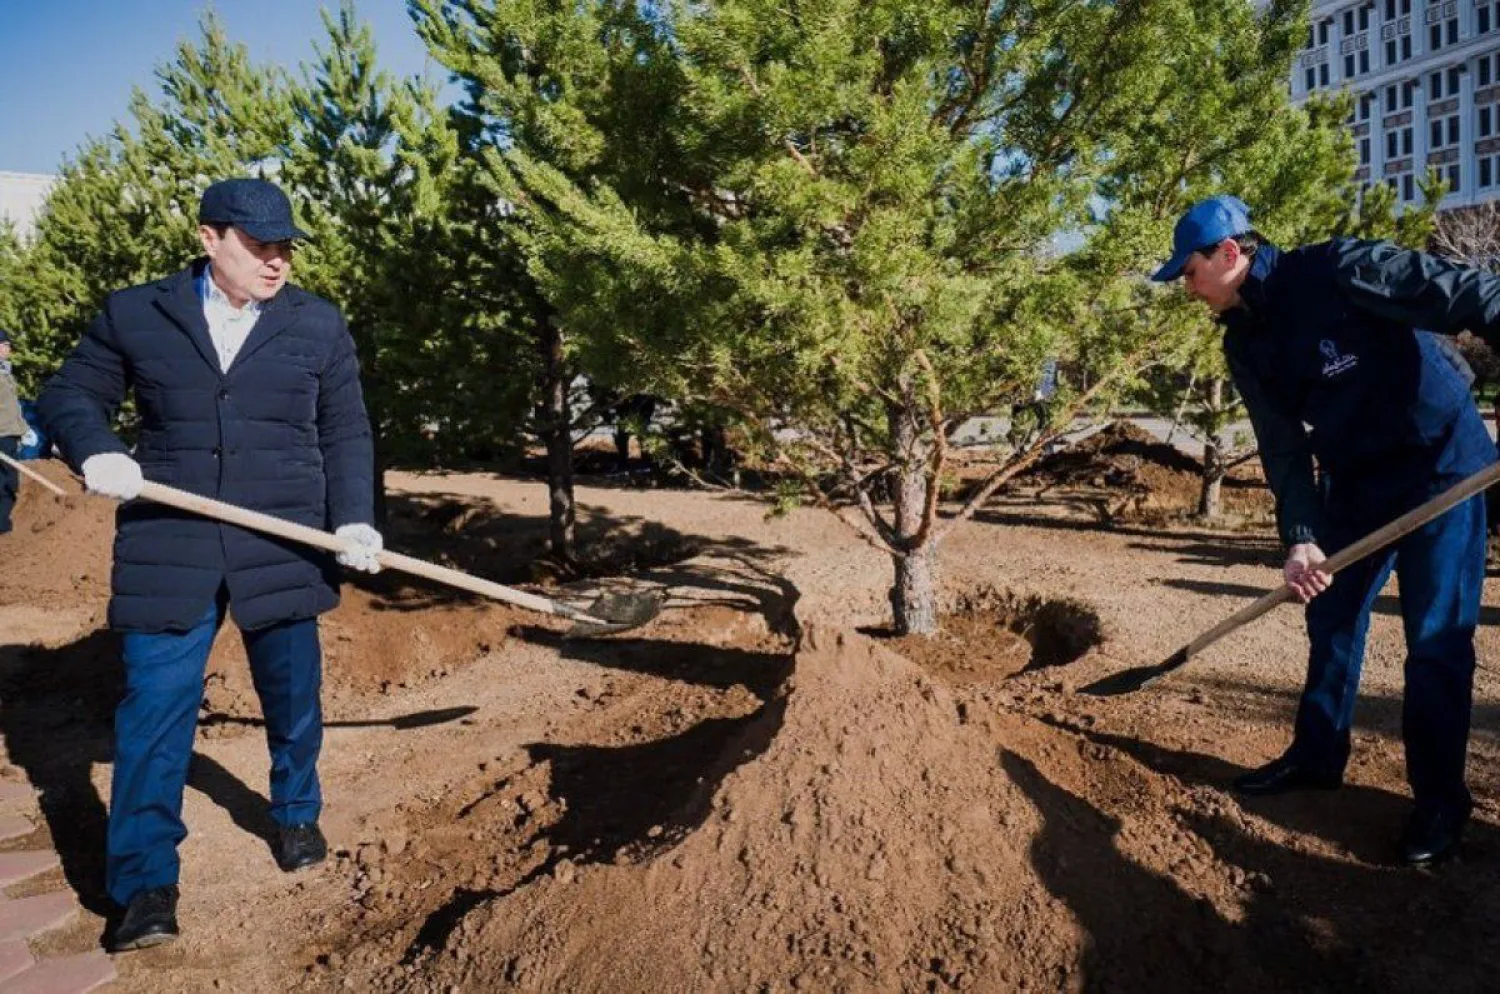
column 1308, row 921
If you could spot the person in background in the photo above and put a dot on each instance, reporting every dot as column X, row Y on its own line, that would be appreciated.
column 12, row 427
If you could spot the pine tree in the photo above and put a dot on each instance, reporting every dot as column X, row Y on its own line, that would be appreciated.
column 124, row 211
column 857, row 224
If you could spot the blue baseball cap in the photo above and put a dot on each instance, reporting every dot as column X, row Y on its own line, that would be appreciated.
column 256, row 207
column 1206, row 224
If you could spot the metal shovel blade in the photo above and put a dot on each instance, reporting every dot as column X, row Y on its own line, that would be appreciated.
column 1131, row 680
column 618, row 613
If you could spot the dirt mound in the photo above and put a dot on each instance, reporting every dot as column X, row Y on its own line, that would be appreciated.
column 862, row 847
column 1136, row 477
column 59, row 548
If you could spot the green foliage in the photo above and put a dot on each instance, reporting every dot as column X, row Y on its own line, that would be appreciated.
column 857, row 222
column 124, row 210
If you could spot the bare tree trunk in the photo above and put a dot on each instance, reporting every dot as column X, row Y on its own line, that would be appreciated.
column 1214, row 464
column 374, row 397
column 558, row 437
column 914, row 593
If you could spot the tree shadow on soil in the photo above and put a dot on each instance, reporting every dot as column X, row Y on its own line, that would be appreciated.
column 1374, row 714
column 477, row 536
column 57, row 719
column 1307, row 921
column 1194, row 545
column 1362, row 821
column 1384, row 604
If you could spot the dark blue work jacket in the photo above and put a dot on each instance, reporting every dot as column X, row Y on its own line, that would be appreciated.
column 283, row 431
column 1328, row 338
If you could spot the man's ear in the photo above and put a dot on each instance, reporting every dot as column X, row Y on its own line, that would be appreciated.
column 1232, row 251
column 209, row 236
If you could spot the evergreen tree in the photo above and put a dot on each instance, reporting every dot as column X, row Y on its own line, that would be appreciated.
column 856, row 224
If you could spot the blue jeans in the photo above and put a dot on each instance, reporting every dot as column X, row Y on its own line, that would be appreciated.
column 1441, row 570
column 156, row 722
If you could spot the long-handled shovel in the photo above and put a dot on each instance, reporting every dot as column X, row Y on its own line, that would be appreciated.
column 607, row 614
column 1128, row 681
column 610, row 613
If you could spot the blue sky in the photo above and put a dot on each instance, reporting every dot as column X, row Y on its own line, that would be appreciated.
column 67, row 66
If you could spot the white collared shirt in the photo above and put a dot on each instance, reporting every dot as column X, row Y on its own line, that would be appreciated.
column 228, row 325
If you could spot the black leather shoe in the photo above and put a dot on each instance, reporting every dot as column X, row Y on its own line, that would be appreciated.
column 300, row 846
column 1432, row 835
column 1286, row 774
column 150, row 919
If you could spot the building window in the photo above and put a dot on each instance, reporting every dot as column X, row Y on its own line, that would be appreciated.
column 1485, row 125
column 1390, row 100
column 1486, row 173
column 1364, row 151
column 1323, row 74
column 1455, row 179
column 1486, row 16
column 1390, row 144
column 1311, row 79
column 1408, row 187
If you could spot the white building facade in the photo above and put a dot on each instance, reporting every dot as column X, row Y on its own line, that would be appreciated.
column 1426, row 80
column 21, row 198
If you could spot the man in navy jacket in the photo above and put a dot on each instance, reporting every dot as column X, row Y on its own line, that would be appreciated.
column 247, row 390
column 1330, row 336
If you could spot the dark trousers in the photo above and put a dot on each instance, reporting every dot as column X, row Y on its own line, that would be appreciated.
column 10, row 480
column 1441, row 572
column 156, row 722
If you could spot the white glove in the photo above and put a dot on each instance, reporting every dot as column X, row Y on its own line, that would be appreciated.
column 113, row 474
column 362, row 545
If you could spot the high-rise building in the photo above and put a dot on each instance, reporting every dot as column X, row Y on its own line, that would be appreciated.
column 1426, row 79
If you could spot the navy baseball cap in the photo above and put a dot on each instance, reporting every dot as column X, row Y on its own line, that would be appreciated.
column 1206, row 224
column 4, row 337
column 256, row 207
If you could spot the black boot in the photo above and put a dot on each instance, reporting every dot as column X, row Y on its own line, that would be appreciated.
column 150, row 919
column 300, row 846
column 1287, row 774
column 1432, row 835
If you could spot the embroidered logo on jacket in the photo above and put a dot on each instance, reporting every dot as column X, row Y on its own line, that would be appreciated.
column 1335, row 363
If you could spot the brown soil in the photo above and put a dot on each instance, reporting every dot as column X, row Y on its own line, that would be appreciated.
column 753, row 794
column 1130, row 476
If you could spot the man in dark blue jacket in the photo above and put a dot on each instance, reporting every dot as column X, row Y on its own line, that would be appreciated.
column 1329, row 336
column 247, row 390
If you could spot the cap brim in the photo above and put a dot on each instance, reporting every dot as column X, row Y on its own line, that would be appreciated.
column 1172, row 269
column 274, row 232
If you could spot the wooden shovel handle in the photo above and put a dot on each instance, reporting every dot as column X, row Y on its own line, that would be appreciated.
column 1373, row 542
column 256, row 521
column 21, row 467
